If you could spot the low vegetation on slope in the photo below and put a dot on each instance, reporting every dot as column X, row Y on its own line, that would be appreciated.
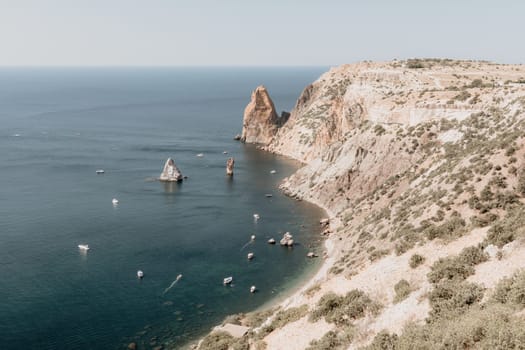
column 459, row 321
column 408, row 155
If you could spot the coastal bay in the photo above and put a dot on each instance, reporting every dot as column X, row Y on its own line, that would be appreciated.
column 60, row 126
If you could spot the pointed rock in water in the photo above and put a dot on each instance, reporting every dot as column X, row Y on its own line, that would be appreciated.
column 170, row 172
column 261, row 122
column 229, row 166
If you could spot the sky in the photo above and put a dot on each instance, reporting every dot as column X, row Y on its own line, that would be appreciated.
column 256, row 33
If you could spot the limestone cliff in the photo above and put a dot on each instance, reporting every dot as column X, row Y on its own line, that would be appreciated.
column 261, row 122
column 421, row 167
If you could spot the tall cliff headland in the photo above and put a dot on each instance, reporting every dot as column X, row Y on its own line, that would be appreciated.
column 421, row 167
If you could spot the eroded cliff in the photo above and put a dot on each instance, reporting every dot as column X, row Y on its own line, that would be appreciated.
column 260, row 121
column 421, row 167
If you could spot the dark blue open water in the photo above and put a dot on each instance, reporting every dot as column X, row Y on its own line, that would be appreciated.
column 59, row 125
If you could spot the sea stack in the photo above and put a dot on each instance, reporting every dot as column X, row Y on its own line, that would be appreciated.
column 261, row 122
column 229, row 166
column 170, row 173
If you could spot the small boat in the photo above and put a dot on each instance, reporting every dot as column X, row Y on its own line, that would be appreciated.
column 228, row 280
column 100, row 171
column 253, row 237
column 271, row 241
column 114, row 201
column 200, row 155
column 268, row 195
column 273, row 171
column 250, row 256
column 225, row 152
column 256, row 216
column 83, row 247
column 140, row 274
column 253, row 289
column 179, row 277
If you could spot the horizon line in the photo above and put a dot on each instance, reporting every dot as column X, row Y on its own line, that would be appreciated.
column 167, row 66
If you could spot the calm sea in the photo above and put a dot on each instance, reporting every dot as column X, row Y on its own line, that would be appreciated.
column 58, row 126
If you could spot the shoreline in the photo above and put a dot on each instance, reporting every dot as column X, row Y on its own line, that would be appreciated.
column 294, row 296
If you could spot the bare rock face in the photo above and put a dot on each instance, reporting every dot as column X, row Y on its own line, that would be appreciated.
column 229, row 166
column 261, row 122
column 170, row 173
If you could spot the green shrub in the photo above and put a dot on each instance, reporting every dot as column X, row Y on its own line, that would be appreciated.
column 403, row 290
column 379, row 130
column 473, row 256
column 450, row 299
column 333, row 340
column 341, row 310
column 521, row 183
column 415, row 63
column 217, row 341
column 255, row 319
column 383, row 341
column 283, row 317
column 452, row 228
column 416, row 260
column 377, row 254
column 457, row 268
column 511, row 290
column 507, row 229
column 493, row 327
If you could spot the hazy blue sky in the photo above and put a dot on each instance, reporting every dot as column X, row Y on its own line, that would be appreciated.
column 244, row 32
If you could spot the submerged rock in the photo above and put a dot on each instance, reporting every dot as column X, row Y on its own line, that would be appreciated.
column 170, row 172
column 261, row 122
column 229, row 166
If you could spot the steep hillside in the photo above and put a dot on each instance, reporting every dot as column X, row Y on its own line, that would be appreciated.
column 421, row 166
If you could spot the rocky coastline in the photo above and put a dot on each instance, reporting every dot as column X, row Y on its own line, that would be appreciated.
column 418, row 164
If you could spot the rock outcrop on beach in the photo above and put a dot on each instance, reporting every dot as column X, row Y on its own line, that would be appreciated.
column 170, row 172
column 261, row 122
column 420, row 166
column 229, row 166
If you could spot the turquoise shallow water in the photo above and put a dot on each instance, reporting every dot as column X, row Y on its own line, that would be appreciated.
column 59, row 126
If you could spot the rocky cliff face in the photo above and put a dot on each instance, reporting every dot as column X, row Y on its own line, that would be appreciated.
column 421, row 166
column 346, row 126
column 261, row 122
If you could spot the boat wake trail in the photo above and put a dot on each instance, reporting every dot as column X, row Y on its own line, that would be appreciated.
column 172, row 284
column 247, row 244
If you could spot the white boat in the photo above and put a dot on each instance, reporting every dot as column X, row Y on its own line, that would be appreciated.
column 114, row 201
column 253, row 237
column 228, row 280
column 225, row 152
column 250, row 256
column 256, row 216
column 200, row 155
column 83, row 247
column 140, row 274
column 268, row 195
column 100, row 171
column 253, row 289
column 271, row 241
column 273, row 171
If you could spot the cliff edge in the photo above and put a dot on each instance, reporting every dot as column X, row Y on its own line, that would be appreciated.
column 421, row 167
